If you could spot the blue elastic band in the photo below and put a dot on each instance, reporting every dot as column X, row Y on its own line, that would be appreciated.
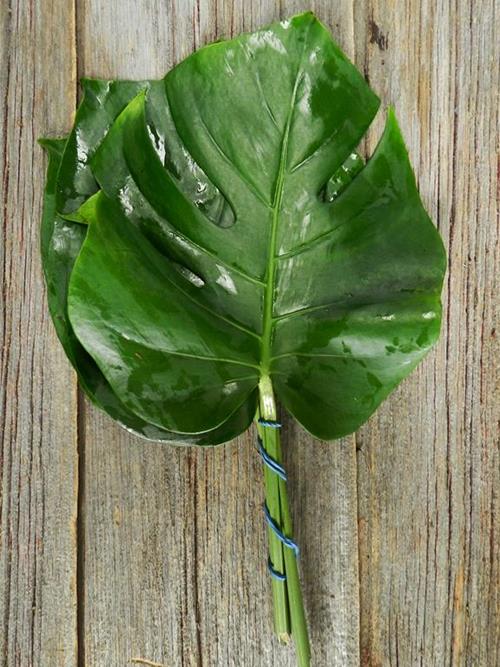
column 274, row 573
column 278, row 469
column 270, row 423
column 287, row 541
column 270, row 462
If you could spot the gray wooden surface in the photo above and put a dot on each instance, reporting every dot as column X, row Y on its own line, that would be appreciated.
column 117, row 552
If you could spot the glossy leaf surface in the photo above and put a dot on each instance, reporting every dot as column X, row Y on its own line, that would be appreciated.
column 218, row 227
column 60, row 244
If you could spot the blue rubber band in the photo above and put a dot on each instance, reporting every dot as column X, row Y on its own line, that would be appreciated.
column 270, row 462
column 279, row 470
column 270, row 423
column 287, row 541
column 279, row 576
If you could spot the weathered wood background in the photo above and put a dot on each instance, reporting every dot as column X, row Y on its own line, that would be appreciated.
column 115, row 551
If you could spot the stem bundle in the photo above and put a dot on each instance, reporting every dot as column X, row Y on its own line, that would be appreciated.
column 289, row 615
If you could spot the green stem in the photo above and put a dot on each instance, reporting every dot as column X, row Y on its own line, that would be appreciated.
column 287, row 596
column 279, row 589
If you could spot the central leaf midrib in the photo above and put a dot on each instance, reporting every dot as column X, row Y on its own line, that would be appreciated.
column 267, row 323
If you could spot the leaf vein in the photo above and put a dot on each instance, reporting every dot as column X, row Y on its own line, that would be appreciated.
column 228, row 160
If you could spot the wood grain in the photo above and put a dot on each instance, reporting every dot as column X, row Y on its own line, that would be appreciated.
column 38, row 390
column 398, row 526
column 428, row 461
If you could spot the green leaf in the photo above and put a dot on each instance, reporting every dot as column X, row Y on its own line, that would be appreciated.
column 234, row 234
column 60, row 244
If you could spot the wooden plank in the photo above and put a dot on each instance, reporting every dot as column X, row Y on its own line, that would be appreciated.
column 428, row 461
column 173, row 539
column 38, row 409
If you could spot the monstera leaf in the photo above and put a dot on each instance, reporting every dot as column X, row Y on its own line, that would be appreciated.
column 212, row 239
column 214, row 255
column 61, row 243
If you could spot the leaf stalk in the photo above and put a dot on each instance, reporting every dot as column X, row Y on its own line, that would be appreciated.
column 289, row 614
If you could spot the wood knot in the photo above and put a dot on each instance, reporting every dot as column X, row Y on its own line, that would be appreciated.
column 377, row 36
